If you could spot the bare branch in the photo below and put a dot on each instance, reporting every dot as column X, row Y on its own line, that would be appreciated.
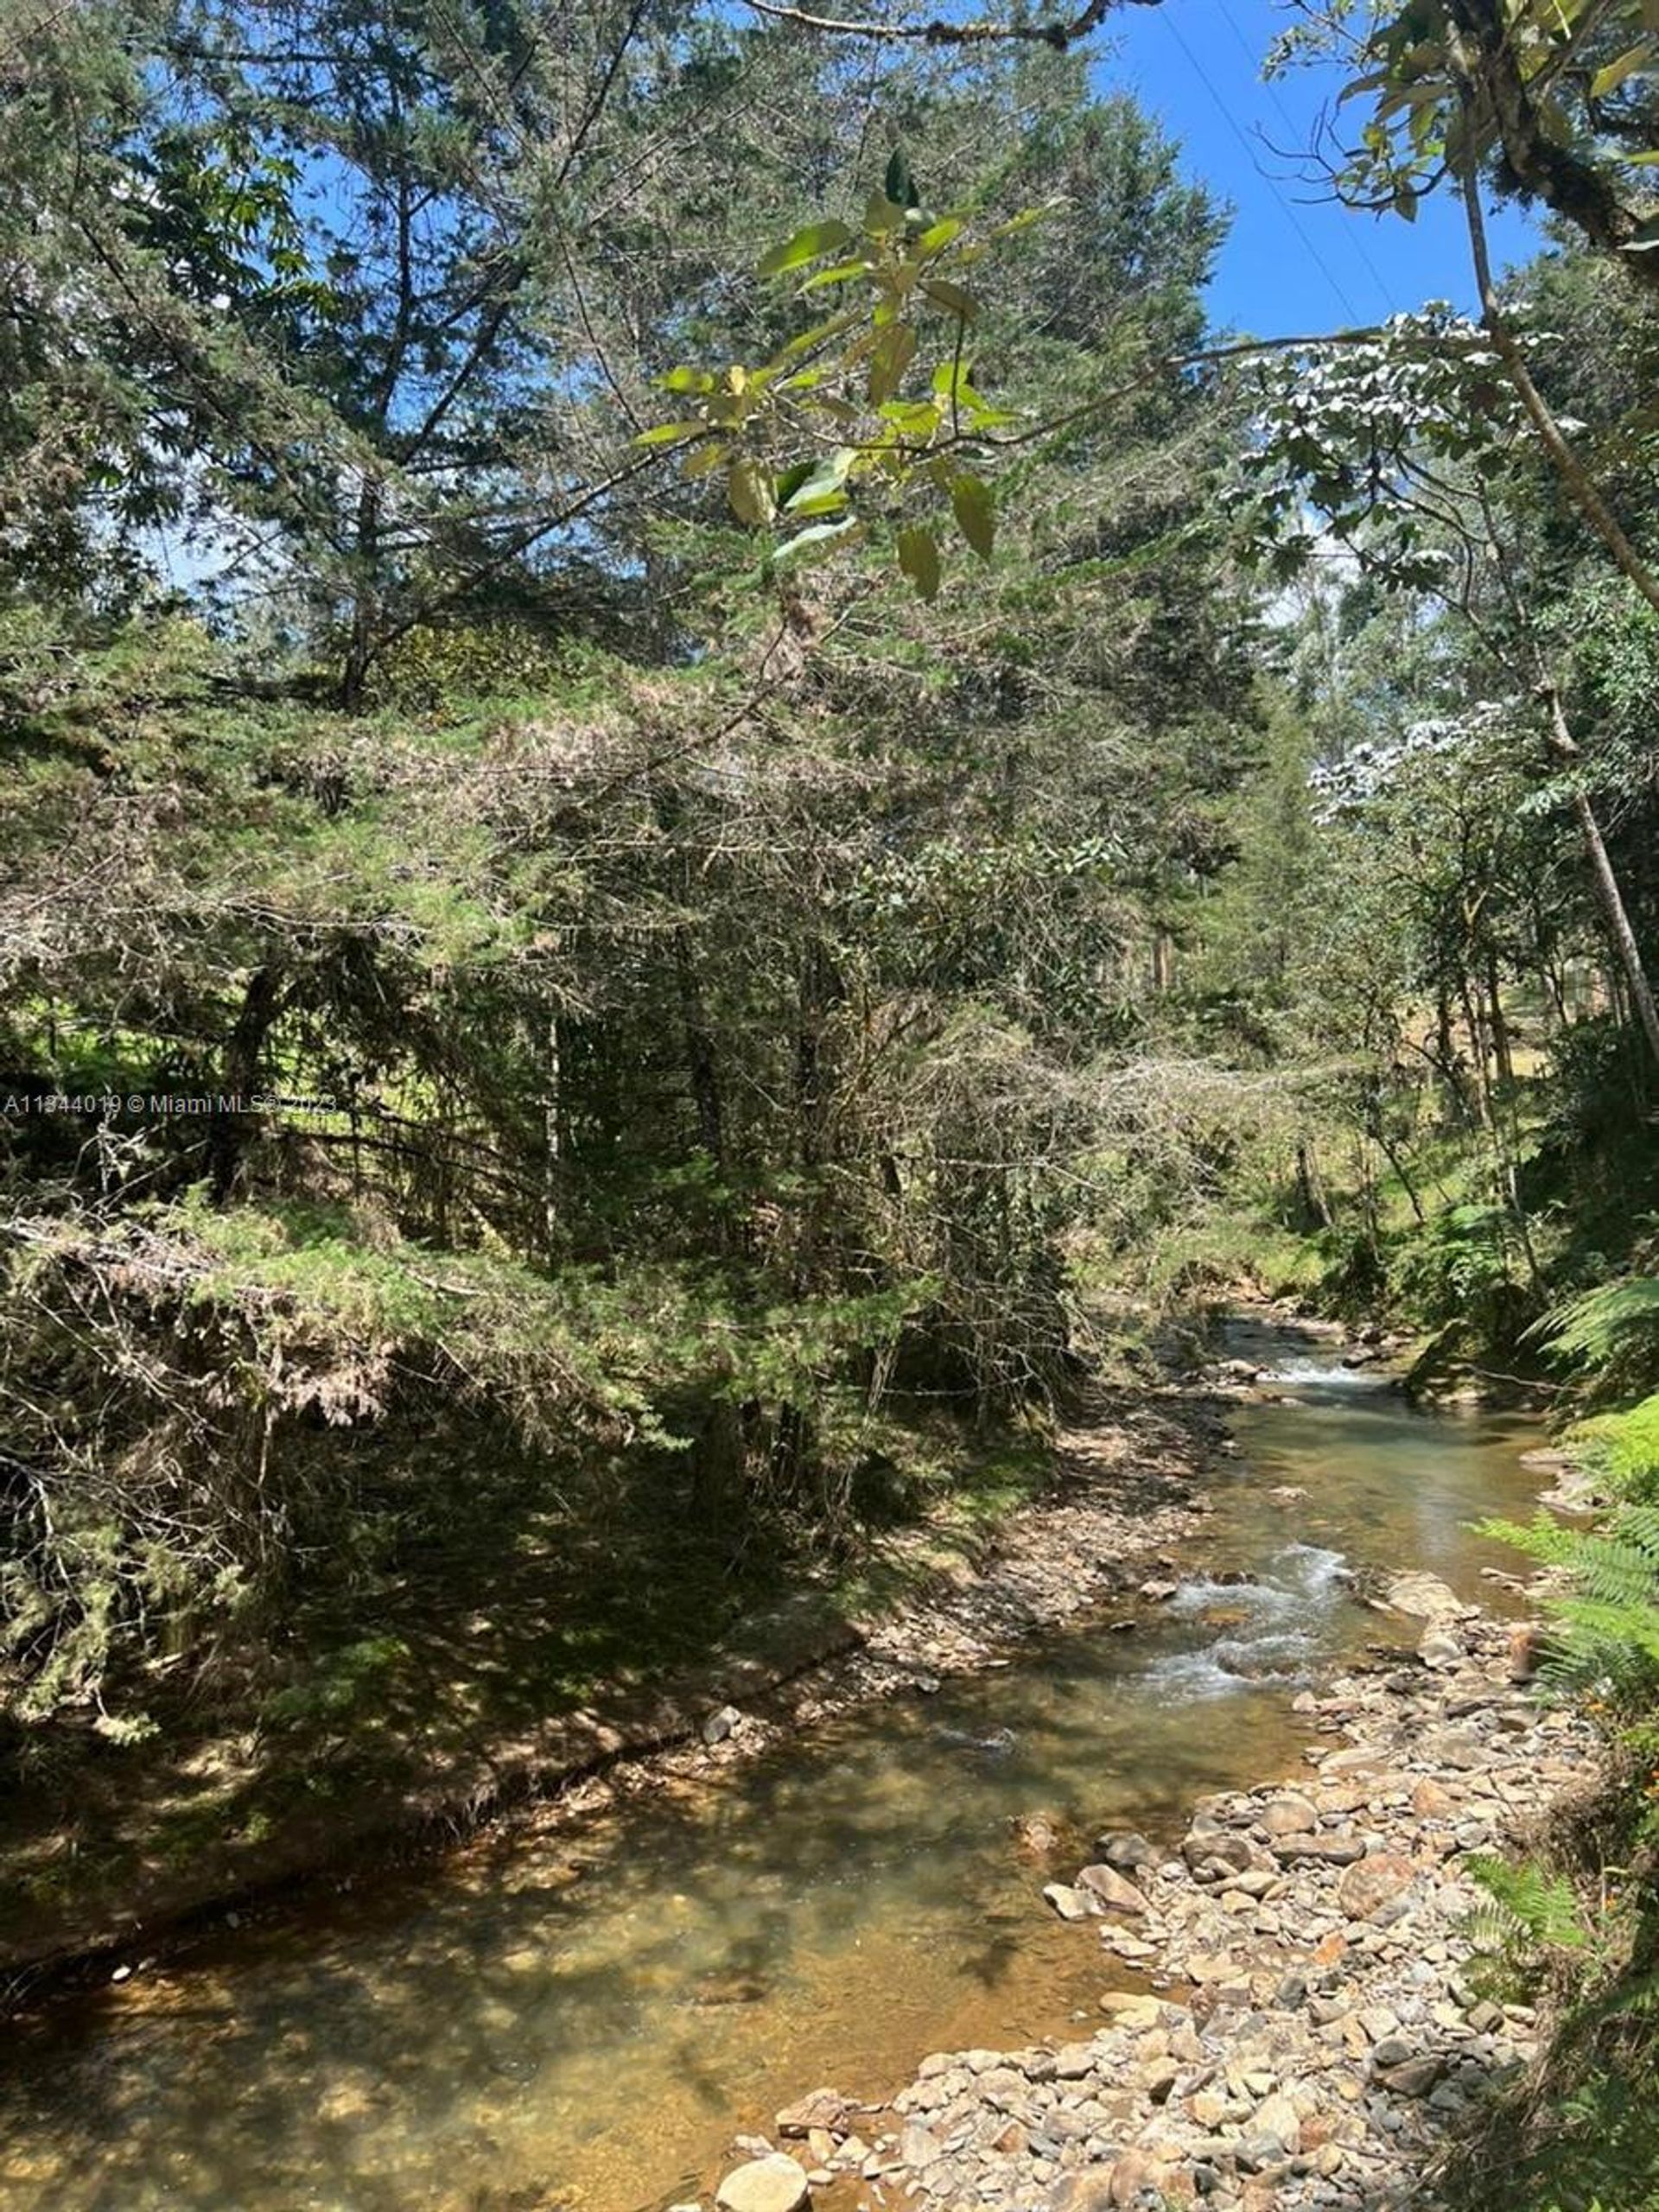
column 939, row 32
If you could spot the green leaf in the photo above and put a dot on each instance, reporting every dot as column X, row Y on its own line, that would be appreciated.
column 820, row 333
column 1022, row 222
column 814, row 488
column 1610, row 78
column 684, row 379
column 894, row 352
column 791, row 481
column 841, row 273
column 806, row 245
column 912, row 418
column 976, row 513
column 951, row 296
column 750, row 494
column 813, row 544
column 899, row 185
column 918, row 556
column 703, row 460
column 939, row 235
column 670, row 433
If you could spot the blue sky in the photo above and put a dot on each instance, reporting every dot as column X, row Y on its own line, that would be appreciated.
column 1293, row 261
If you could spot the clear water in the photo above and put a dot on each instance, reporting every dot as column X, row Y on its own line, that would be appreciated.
column 504, row 2034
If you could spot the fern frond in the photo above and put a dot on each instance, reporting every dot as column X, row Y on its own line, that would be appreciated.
column 1590, row 1330
column 1540, row 1538
column 1529, row 1903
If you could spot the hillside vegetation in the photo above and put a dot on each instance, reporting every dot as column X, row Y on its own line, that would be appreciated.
column 698, row 802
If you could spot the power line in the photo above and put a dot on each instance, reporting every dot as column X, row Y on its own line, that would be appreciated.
column 1166, row 17
column 1283, row 114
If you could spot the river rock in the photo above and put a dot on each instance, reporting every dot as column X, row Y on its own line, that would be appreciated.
column 1126, row 1851
column 1071, row 1903
column 1276, row 2118
column 1116, row 1892
column 1424, row 1596
column 1441, row 1647
column 1373, row 1883
column 1208, row 1842
column 1413, row 2077
column 1136, row 2009
column 721, row 1723
column 824, row 2108
column 774, row 2183
column 1337, row 1849
column 1087, row 2191
column 1288, row 1816
column 918, row 2147
column 1525, row 1650
column 1036, row 1834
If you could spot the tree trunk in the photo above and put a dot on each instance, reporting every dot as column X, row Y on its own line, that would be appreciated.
column 553, row 1134
column 244, row 1049
column 1608, row 894
column 366, row 604
column 1498, row 1024
column 703, row 1076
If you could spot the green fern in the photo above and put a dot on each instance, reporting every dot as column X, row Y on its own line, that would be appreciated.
column 1608, row 1619
column 1623, row 1448
column 1528, row 1910
column 1595, row 1328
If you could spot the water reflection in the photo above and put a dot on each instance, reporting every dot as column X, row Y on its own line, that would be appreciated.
column 505, row 2037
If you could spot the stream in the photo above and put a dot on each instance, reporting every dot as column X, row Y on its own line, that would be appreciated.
column 585, row 2023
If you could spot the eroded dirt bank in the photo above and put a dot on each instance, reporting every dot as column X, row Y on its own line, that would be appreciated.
column 1301, row 2030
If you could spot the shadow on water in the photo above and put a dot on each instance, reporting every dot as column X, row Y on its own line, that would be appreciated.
column 510, row 2033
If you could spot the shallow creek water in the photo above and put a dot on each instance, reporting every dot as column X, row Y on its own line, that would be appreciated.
column 495, row 2036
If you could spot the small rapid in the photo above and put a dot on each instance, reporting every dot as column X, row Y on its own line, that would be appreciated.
column 1274, row 1627
column 1315, row 1376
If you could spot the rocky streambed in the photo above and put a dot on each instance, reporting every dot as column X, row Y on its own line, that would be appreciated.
column 817, row 1879
column 1305, row 2032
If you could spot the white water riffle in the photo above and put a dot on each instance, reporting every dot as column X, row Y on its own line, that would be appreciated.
column 1315, row 1375
column 1285, row 1619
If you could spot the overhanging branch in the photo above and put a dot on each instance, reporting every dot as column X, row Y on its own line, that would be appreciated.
column 939, row 31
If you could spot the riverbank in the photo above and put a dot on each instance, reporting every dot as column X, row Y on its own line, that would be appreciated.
column 1297, row 2019
column 1115, row 1497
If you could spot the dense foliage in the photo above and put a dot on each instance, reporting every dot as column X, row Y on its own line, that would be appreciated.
column 492, row 954
column 687, row 774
